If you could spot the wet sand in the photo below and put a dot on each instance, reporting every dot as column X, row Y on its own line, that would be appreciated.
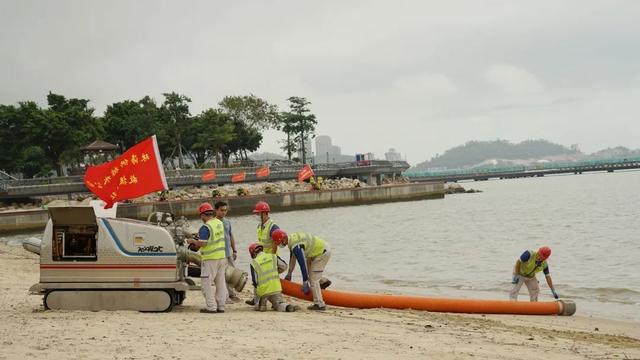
column 29, row 332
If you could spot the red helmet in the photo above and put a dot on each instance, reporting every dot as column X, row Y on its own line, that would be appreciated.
column 261, row 206
column 544, row 253
column 278, row 235
column 253, row 247
column 204, row 207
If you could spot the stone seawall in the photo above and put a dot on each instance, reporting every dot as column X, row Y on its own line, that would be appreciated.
column 242, row 205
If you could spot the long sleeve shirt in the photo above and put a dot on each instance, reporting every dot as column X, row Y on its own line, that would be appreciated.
column 298, row 252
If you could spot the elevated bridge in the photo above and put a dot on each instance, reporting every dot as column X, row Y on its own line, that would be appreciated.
column 541, row 169
column 372, row 172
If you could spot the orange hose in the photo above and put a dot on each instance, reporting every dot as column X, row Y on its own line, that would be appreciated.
column 366, row 301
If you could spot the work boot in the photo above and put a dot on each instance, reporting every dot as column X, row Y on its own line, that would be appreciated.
column 220, row 311
column 317, row 307
column 207, row 311
column 251, row 302
column 292, row 308
column 234, row 298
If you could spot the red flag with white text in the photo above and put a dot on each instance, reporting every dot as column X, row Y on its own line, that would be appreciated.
column 305, row 173
column 135, row 173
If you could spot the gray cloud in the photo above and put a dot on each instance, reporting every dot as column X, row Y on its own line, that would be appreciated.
column 420, row 76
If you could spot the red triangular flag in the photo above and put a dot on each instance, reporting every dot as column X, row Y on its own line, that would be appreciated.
column 239, row 177
column 263, row 172
column 135, row 173
column 208, row 175
column 305, row 173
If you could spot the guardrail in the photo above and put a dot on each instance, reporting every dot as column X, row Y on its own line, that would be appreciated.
column 176, row 178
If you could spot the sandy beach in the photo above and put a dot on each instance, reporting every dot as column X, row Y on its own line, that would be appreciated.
column 27, row 331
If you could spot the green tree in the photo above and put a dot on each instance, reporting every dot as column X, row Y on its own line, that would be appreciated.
column 12, row 137
column 245, row 139
column 288, row 126
column 301, row 122
column 208, row 135
column 129, row 122
column 254, row 112
column 62, row 129
column 175, row 119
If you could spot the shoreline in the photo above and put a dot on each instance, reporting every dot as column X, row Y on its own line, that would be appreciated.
column 29, row 331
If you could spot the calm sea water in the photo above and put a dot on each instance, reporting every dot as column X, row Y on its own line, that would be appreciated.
column 466, row 244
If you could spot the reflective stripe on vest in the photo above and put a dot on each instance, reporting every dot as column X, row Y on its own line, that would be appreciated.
column 215, row 248
column 529, row 269
column 264, row 237
column 266, row 269
column 313, row 245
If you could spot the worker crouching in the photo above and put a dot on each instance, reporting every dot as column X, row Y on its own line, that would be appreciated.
column 266, row 281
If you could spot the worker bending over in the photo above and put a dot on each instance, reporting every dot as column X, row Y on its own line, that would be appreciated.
column 266, row 281
column 312, row 254
column 527, row 266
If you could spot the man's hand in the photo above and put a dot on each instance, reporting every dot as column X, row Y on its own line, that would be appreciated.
column 555, row 294
column 288, row 277
column 515, row 279
column 235, row 255
column 306, row 287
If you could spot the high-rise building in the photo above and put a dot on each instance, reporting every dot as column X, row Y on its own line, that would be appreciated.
column 392, row 155
column 323, row 145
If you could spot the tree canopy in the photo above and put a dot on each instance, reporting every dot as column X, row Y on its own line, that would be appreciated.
column 37, row 140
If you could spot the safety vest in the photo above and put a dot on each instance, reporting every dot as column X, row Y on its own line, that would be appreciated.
column 266, row 269
column 530, row 268
column 215, row 248
column 313, row 245
column 264, row 237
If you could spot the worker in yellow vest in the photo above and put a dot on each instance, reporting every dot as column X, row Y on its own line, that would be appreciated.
column 312, row 254
column 524, row 272
column 266, row 280
column 214, row 262
column 265, row 228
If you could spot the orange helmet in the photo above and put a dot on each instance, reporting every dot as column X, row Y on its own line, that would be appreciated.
column 253, row 247
column 204, row 207
column 278, row 235
column 261, row 206
column 544, row 253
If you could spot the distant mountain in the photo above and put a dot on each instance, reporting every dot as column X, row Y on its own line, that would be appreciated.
column 499, row 153
column 616, row 152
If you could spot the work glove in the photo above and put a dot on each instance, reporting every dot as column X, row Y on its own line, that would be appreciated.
column 288, row 277
column 515, row 279
column 555, row 294
column 306, row 287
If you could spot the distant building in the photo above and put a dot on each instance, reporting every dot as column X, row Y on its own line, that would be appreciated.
column 393, row 155
column 325, row 151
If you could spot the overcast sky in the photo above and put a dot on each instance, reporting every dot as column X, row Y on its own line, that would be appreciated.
column 419, row 76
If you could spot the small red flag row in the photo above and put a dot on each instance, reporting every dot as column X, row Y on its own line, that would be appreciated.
column 264, row 171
